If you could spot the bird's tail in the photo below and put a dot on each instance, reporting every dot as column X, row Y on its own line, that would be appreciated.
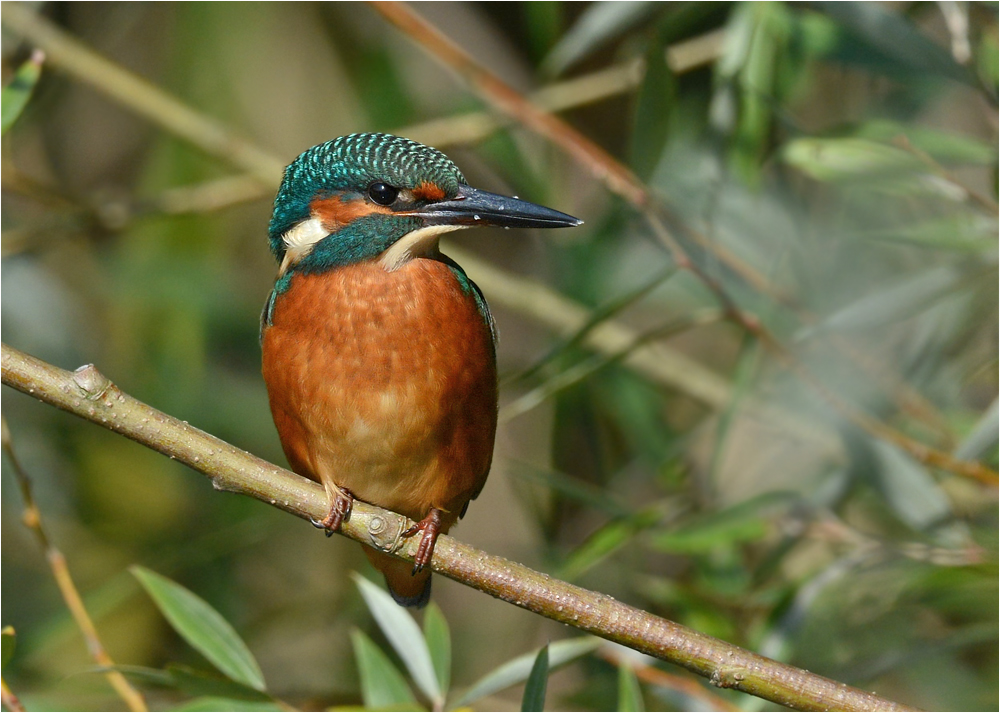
column 408, row 589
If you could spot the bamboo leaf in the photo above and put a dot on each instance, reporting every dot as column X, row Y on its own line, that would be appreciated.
column 538, row 679
column 404, row 635
column 19, row 90
column 216, row 703
column 897, row 39
column 8, row 641
column 202, row 627
column 908, row 488
column 850, row 160
column 965, row 232
column 438, row 638
column 894, row 303
column 142, row 674
column 653, row 111
column 744, row 522
column 382, row 685
column 577, row 489
column 517, row 670
column 202, row 684
column 629, row 691
column 943, row 146
column 608, row 539
column 983, row 435
column 599, row 24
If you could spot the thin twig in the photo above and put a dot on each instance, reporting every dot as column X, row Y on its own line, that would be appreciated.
column 57, row 562
column 569, row 93
column 984, row 201
column 662, row 679
column 10, row 700
column 73, row 57
column 89, row 394
column 616, row 177
column 578, row 372
column 566, row 317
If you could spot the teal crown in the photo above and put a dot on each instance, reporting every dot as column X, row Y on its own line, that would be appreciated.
column 350, row 164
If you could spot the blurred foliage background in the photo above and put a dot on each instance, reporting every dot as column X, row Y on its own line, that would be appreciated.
column 832, row 166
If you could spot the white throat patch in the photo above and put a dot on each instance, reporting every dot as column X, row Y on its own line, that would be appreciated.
column 419, row 243
column 299, row 241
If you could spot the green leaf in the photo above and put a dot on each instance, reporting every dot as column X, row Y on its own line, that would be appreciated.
column 896, row 38
column 629, row 692
column 908, row 488
column 988, row 58
column 403, row 633
column 200, row 683
column 983, row 436
column 543, row 23
column 744, row 522
column 382, row 685
column 750, row 86
column 8, row 641
column 438, row 638
column 216, row 703
column 942, row 146
column 576, row 489
column 600, row 23
column 959, row 232
column 608, row 539
column 141, row 674
column 850, row 160
column 19, row 90
column 538, row 680
column 895, row 303
column 517, row 670
column 653, row 111
column 202, row 627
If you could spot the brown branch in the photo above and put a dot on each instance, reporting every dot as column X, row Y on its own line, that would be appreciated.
column 64, row 580
column 623, row 182
column 90, row 395
column 9, row 698
column 618, row 179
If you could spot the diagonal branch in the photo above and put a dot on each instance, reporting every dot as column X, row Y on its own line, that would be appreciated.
column 618, row 179
column 89, row 394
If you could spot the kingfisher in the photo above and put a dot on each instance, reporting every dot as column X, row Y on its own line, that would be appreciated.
column 379, row 352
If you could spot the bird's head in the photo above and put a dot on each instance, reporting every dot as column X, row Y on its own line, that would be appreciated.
column 368, row 196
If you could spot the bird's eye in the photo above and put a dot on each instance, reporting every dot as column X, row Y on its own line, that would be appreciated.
column 382, row 193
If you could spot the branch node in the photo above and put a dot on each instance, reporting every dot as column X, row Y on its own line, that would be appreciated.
column 93, row 383
column 386, row 535
column 726, row 677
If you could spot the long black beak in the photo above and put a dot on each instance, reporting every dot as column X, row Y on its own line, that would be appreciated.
column 475, row 207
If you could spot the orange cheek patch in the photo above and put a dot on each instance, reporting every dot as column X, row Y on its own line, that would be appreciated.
column 429, row 191
column 335, row 213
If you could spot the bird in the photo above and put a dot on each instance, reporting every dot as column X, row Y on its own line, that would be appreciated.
column 378, row 351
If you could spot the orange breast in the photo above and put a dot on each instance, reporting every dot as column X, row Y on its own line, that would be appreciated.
column 385, row 383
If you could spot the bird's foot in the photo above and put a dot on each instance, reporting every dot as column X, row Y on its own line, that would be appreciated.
column 430, row 526
column 340, row 507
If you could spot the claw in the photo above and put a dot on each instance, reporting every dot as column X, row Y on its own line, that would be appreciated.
column 431, row 526
column 340, row 508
